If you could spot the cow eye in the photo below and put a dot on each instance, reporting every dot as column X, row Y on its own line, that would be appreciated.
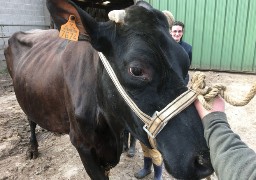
column 136, row 71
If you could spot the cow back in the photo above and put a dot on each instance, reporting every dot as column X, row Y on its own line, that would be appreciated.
column 48, row 75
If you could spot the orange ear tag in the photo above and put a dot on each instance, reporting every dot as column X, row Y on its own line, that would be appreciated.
column 69, row 30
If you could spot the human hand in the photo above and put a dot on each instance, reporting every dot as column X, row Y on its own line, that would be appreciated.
column 217, row 105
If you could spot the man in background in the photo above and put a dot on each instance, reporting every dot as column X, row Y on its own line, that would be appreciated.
column 177, row 31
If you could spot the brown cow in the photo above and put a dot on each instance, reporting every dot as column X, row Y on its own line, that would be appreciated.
column 62, row 86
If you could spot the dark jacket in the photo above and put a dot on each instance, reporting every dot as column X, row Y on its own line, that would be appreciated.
column 231, row 158
column 188, row 48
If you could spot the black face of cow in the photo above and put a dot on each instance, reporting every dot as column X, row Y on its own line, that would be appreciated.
column 151, row 67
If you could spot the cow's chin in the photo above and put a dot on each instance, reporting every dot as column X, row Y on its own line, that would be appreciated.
column 195, row 172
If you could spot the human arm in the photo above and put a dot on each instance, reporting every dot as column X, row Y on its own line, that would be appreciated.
column 231, row 158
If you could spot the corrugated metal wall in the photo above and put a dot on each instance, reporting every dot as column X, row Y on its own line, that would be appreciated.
column 222, row 32
column 21, row 15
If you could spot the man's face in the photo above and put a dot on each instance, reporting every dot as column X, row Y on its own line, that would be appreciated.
column 177, row 33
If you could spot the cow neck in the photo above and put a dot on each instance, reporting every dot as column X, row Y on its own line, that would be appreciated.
column 152, row 124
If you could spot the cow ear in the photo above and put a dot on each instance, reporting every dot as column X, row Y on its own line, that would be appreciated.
column 144, row 4
column 99, row 33
column 60, row 11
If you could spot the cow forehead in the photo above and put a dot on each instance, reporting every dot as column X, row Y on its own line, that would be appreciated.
column 145, row 34
column 148, row 27
column 144, row 20
column 144, row 27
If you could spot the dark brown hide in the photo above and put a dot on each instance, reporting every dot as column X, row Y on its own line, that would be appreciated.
column 54, row 81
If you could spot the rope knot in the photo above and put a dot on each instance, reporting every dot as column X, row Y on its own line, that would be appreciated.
column 207, row 94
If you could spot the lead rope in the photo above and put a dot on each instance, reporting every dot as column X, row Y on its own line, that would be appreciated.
column 207, row 94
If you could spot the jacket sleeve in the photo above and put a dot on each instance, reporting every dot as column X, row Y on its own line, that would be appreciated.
column 231, row 158
column 190, row 56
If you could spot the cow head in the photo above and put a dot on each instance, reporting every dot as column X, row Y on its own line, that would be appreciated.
column 151, row 67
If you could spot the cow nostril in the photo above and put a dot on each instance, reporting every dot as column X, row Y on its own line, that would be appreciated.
column 203, row 166
column 201, row 160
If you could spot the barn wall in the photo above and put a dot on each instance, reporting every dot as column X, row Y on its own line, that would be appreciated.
column 222, row 32
column 21, row 15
